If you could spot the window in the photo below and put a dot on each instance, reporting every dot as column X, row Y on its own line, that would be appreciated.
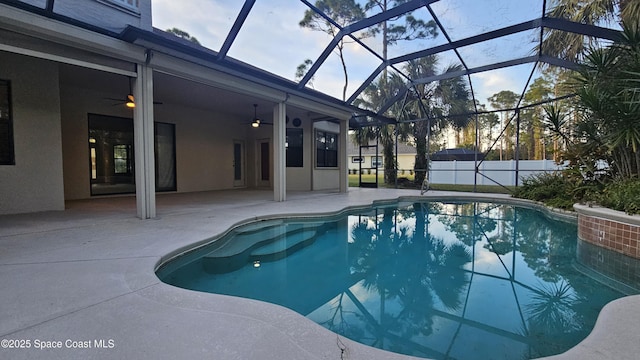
column 293, row 148
column 122, row 159
column 376, row 161
column 6, row 125
column 129, row 4
column 326, row 149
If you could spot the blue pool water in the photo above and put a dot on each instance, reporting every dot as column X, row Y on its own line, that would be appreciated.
column 429, row 279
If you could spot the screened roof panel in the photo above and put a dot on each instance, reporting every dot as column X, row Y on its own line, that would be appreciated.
column 376, row 96
column 360, row 64
column 499, row 50
column 466, row 18
column 599, row 19
column 403, row 46
column 493, row 40
column 272, row 39
column 441, row 62
column 209, row 24
column 512, row 78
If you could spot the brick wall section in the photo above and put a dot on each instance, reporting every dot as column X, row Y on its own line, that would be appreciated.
column 620, row 237
column 612, row 264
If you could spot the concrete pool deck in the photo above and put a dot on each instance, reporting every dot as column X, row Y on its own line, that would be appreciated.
column 83, row 279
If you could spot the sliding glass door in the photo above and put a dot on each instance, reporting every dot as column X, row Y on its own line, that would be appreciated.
column 112, row 155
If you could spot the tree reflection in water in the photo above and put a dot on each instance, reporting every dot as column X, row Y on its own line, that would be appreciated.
column 415, row 268
column 437, row 280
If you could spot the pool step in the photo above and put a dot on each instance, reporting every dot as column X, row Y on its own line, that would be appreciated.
column 260, row 244
column 246, row 238
column 279, row 248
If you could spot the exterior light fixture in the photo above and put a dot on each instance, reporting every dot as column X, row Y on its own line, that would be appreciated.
column 256, row 264
column 256, row 122
column 130, row 102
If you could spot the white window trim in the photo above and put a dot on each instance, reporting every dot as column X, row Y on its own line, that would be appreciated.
column 123, row 5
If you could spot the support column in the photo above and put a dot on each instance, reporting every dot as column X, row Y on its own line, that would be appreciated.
column 343, row 157
column 143, row 136
column 279, row 153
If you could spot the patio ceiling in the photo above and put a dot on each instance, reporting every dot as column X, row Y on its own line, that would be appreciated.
column 491, row 40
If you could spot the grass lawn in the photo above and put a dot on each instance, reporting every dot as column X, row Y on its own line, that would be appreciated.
column 354, row 182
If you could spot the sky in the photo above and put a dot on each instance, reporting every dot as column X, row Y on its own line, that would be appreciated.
column 271, row 39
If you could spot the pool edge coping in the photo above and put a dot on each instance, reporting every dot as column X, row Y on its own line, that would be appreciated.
column 555, row 213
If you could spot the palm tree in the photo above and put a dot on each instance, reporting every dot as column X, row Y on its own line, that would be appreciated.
column 607, row 85
column 572, row 46
column 372, row 98
column 436, row 104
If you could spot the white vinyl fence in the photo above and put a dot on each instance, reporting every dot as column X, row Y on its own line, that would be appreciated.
column 502, row 172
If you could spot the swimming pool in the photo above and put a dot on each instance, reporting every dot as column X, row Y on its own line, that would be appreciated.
column 430, row 279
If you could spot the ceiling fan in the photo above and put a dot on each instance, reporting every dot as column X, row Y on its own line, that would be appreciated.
column 128, row 101
column 257, row 122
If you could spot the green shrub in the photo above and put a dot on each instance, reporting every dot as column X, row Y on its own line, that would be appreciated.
column 558, row 190
column 547, row 188
column 621, row 195
column 562, row 190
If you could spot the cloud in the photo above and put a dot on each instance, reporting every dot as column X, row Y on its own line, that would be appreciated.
column 208, row 21
column 491, row 82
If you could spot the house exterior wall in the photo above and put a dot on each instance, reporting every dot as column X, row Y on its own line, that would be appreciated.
column 204, row 147
column 204, row 143
column 405, row 161
column 112, row 15
column 76, row 103
column 51, row 107
column 35, row 182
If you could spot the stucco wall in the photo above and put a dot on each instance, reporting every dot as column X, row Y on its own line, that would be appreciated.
column 204, row 147
column 35, row 182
